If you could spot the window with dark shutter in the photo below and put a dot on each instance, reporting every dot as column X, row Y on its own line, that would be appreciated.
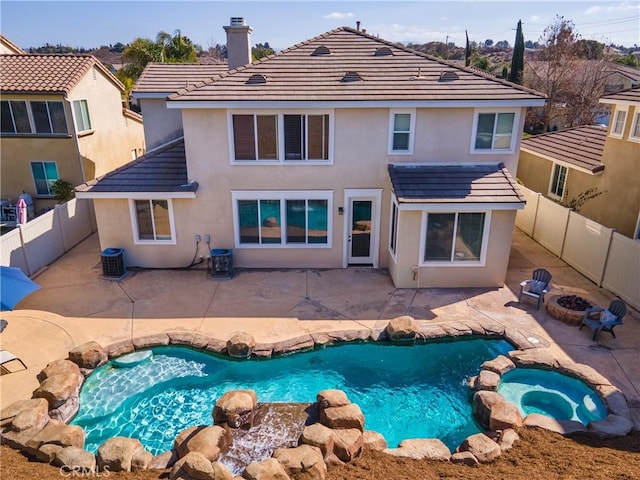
column 244, row 137
column 318, row 137
column 293, row 137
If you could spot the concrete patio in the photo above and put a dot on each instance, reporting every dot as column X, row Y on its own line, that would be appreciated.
column 76, row 305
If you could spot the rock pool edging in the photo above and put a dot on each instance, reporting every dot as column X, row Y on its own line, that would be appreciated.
column 56, row 402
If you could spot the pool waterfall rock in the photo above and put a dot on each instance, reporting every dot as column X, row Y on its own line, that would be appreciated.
column 235, row 408
column 31, row 425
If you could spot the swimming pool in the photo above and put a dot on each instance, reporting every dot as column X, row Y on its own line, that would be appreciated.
column 404, row 391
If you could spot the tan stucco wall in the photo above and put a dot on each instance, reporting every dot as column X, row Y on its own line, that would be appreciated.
column 360, row 161
column 17, row 153
column 407, row 273
column 114, row 135
column 161, row 124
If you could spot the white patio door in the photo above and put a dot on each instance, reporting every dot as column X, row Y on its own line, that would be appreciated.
column 362, row 226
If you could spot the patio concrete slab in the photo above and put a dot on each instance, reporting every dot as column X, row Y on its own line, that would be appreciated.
column 76, row 305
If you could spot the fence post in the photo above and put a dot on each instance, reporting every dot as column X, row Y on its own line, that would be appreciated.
column 24, row 252
column 535, row 214
column 564, row 235
column 606, row 258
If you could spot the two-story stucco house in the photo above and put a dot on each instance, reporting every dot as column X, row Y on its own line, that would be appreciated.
column 62, row 118
column 341, row 150
column 565, row 164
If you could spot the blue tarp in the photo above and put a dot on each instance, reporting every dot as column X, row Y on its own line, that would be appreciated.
column 14, row 286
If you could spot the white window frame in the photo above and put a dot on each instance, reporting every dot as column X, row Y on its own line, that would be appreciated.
column 452, row 263
column 280, row 127
column 412, row 128
column 49, row 181
column 134, row 223
column 620, row 109
column 79, row 122
column 394, row 223
column 515, row 134
column 551, row 193
column 635, row 125
column 282, row 196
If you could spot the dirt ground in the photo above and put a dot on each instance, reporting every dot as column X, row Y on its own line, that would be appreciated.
column 539, row 455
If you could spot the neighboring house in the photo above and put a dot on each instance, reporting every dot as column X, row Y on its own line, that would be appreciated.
column 62, row 118
column 157, row 82
column 563, row 165
column 341, row 150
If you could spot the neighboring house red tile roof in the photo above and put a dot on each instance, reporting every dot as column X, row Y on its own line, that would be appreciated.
column 170, row 77
column 50, row 73
column 349, row 65
column 580, row 146
column 433, row 183
column 162, row 170
column 631, row 95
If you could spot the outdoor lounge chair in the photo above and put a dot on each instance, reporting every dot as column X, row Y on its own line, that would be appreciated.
column 607, row 320
column 536, row 287
column 5, row 357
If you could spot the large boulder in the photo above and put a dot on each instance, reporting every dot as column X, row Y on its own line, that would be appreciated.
column 74, row 459
column 487, row 380
column 89, row 355
column 483, row 401
column 500, row 365
column 332, row 398
column 319, row 436
column 58, row 367
column 373, row 441
column 209, row 441
column 302, row 463
column 195, row 465
column 504, row 415
column 347, row 416
column 270, row 469
column 58, row 388
column 348, row 443
column 464, row 458
column 235, row 408
column 421, row 449
column 611, row 426
column 55, row 433
column 507, row 438
column 482, row 447
column 402, row 329
column 241, row 345
column 141, row 460
column 116, row 454
column 163, row 460
column 25, row 414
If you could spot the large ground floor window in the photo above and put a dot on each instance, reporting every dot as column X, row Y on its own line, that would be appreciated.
column 457, row 237
column 153, row 221
column 283, row 219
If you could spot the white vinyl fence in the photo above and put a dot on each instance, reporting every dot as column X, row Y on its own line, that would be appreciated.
column 601, row 254
column 40, row 241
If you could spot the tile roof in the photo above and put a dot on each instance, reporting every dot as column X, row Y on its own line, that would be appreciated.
column 389, row 72
column 171, row 77
column 629, row 95
column 579, row 146
column 50, row 73
column 163, row 170
column 436, row 183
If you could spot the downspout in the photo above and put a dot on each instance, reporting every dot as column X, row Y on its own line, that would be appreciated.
column 75, row 136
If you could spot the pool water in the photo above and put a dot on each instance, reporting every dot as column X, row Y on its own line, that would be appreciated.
column 552, row 394
column 404, row 391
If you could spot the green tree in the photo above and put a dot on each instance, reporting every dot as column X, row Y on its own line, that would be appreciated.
column 261, row 50
column 467, row 51
column 517, row 60
column 589, row 49
column 628, row 60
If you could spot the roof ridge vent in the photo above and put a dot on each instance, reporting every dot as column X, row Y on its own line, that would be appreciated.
column 321, row 51
column 256, row 79
column 448, row 76
column 351, row 77
column 383, row 52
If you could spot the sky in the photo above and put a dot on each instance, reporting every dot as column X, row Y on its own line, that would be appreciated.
column 91, row 24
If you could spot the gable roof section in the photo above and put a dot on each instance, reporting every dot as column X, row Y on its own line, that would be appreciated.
column 161, row 171
column 435, row 183
column 59, row 74
column 167, row 78
column 298, row 75
column 630, row 95
column 580, row 147
column 9, row 45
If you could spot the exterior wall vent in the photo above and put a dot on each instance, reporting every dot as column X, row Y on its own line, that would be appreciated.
column 320, row 51
column 351, row 77
column 256, row 79
column 383, row 52
column 448, row 76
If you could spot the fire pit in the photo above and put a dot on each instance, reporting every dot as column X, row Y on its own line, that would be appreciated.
column 568, row 308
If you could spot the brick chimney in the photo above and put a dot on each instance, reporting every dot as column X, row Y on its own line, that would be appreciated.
column 238, row 42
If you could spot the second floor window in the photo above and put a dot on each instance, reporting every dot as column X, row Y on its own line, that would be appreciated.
column 81, row 112
column 618, row 124
column 635, row 127
column 34, row 117
column 401, row 126
column 281, row 137
column 494, row 131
